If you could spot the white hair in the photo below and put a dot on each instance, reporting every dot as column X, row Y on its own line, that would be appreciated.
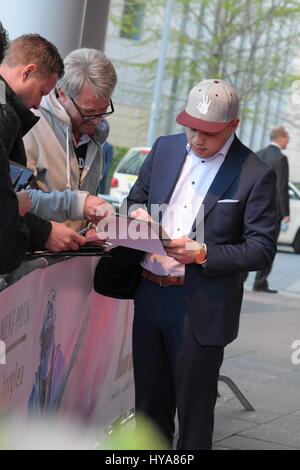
column 88, row 66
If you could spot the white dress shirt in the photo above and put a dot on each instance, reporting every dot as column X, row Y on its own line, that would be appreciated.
column 196, row 176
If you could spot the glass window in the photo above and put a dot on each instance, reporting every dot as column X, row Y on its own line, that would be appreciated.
column 132, row 20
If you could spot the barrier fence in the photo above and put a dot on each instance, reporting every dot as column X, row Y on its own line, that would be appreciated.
column 65, row 349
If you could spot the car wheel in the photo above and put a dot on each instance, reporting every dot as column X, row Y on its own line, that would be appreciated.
column 296, row 244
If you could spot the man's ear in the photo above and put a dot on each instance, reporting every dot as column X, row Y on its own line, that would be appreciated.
column 61, row 95
column 28, row 71
column 234, row 125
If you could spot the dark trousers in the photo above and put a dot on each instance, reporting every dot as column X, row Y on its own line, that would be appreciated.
column 261, row 277
column 197, row 391
column 172, row 370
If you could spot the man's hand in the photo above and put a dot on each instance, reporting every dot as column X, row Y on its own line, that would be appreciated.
column 183, row 250
column 95, row 208
column 91, row 237
column 63, row 238
column 141, row 214
column 24, row 202
column 286, row 219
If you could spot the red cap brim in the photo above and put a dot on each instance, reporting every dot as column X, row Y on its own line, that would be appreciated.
column 189, row 121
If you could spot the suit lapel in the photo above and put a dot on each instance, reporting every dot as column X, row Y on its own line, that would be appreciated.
column 228, row 172
column 178, row 152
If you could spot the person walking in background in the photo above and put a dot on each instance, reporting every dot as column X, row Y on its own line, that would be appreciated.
column 65, row 148
column 273, row 156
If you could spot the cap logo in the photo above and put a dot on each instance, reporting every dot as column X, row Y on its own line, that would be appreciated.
column 204, row 104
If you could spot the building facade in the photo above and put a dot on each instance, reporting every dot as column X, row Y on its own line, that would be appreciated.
column 135, row 50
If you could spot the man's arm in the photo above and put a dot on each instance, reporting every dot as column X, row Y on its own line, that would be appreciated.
column 14, row 234
column 51, row 235
column 58, row 205
column 283, row 186
column 66, row 205
column 257, row 248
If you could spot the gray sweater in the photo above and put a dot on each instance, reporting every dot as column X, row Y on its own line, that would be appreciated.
column 58, row 192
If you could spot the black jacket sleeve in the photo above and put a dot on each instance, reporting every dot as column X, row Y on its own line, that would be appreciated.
column 17, row 234
column 283, row 186
column 39, row 230
column 14, row 233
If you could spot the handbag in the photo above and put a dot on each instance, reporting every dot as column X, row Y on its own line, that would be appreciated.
column 119, row 274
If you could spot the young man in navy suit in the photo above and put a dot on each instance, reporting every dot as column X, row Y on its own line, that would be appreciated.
column 187, row 304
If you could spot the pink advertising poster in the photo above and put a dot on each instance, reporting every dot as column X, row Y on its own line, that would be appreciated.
column 67, row 349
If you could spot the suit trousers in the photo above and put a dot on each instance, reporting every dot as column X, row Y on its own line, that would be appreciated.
column 171, row 369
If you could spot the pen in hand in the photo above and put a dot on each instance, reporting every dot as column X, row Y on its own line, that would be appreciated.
column 86, row 229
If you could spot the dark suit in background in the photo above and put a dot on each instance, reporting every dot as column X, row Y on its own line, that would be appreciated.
column 273, row 156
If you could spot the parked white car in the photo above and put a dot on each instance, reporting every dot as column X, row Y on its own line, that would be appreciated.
column 127, row 172
column 292, row 235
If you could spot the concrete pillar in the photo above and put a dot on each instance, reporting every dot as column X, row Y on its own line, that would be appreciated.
column 69, row 24
column 95, row 24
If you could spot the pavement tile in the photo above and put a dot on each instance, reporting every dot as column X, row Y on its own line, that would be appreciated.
column 225, row 427
column 260, row 363
column 245, row 443
column 284, row 430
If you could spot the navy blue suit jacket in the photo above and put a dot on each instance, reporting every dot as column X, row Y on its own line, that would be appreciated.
column 240, row 235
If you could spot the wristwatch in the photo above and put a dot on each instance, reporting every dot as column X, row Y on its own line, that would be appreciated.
column 200, row 257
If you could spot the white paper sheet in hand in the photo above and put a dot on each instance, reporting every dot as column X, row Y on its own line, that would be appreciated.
column 133, row 233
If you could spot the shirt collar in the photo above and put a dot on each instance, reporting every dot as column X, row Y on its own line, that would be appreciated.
column 274, row 143
column 83, row 139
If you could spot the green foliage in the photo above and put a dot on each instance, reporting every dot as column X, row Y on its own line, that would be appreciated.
column 119, row 152
column 143, row 436
column 249, row 44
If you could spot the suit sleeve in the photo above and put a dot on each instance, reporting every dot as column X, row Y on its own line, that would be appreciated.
column 283, row 186
column 257, row 247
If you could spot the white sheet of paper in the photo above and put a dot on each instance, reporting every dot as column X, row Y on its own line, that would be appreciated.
column 134, row 233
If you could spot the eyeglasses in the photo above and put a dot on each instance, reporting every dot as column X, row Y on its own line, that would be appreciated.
column 87, row 117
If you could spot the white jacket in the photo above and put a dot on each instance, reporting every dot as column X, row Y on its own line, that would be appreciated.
column 61, row 194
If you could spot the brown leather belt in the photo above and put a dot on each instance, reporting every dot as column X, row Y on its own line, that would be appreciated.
column 163, row 281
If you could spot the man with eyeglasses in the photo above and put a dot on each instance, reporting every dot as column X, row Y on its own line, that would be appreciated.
column 65, row 148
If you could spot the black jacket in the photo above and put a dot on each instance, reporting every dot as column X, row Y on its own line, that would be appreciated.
column 14, row 232
column 17, row 234
column 273, row 156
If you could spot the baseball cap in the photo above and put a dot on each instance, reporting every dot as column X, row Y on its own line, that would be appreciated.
column 211, row 105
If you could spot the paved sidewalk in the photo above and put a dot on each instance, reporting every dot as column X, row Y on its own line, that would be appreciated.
column 260, row 363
